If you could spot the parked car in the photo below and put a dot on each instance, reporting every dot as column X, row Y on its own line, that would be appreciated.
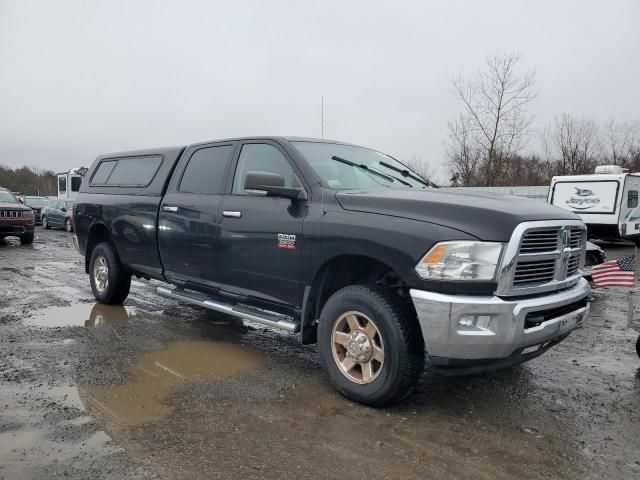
column 57, row 214
column 343, row 245
column 16, row 220
column 36, row 204
column 594, row 256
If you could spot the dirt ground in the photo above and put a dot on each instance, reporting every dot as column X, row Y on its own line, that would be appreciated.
column 156, row 389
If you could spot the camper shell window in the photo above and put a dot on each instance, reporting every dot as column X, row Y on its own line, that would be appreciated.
column 62, row 184
column 127, row 171
column 632, row 199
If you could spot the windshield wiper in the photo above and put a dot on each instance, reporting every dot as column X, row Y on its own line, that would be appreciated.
column 407, row 173
column 362, row 166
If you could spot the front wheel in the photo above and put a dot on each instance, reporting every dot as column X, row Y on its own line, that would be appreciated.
column 110, row 283
column 45, row 223
column 370, row 344
column 26, row 239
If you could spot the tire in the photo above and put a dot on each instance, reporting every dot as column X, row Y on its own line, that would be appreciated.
column 68, row 226
column 110, row 286
column 638, row 346
column 27, row 238
column 45, row 224
column 397, row 335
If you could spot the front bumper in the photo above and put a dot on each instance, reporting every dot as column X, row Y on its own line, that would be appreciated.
column 16, row 226
column 505, row 340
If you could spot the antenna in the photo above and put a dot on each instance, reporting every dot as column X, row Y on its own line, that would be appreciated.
column 322, row 117
column 322, row 153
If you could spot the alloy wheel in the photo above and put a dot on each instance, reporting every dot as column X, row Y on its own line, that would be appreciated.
column 101, row 274
column 357, row 346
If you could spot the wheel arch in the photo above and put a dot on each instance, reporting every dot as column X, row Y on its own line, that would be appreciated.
column 98, row 233
column 338, row 272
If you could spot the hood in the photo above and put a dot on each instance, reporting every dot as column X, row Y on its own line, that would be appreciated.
column 485, row 216
column 13, row 206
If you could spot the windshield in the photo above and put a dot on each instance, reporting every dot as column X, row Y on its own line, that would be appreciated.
column 7, row 197
column 35, row 202
column 346, row 166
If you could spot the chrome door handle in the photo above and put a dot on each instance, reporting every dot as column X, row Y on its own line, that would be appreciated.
column 167, row 208
column 231, row 214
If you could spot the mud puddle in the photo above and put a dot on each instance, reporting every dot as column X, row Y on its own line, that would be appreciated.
column 80, row 315
column 155, row 374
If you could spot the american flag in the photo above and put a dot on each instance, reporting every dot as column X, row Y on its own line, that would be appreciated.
column 614, row 273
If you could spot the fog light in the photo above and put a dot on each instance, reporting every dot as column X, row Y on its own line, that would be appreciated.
column 475, row 323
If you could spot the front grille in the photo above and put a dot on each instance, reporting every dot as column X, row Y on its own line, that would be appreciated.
column 542, row 240
column 542, row 256
column 534, row 272
column 573, row 265
column 10, row 213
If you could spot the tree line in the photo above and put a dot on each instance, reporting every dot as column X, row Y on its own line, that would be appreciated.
column 28, row 181
column 487, row 140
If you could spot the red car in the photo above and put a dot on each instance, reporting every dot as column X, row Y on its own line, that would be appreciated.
column 16, row 220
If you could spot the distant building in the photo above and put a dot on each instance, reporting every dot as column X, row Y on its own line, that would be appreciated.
column 537, row 192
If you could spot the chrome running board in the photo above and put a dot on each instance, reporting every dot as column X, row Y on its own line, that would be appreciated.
column 244, row 312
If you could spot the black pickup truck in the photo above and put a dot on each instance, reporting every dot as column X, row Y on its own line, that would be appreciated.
column 343, row 245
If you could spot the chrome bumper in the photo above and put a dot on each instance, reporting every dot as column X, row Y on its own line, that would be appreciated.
column 502, row 332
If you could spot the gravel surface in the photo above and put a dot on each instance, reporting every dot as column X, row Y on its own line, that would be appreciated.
column 156, row 389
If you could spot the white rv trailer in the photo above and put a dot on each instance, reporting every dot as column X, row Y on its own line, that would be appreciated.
column 607, row 201
column 69, row 183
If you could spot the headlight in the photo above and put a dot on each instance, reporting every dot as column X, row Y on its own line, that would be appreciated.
column 461, row 261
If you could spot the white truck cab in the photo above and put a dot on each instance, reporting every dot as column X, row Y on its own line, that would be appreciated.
column 607, row 201
column 69, row 183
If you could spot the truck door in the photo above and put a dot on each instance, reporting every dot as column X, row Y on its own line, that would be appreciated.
column 261, row 236
column 189, row 217
column 629, row 208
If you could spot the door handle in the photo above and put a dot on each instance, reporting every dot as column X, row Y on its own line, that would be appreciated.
column 231, row 213
column 168, row 208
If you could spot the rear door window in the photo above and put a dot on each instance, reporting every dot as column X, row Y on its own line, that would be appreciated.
column 205, row 172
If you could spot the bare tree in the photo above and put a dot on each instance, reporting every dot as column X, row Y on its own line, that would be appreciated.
column 421, row 167
column 621, row 143
column 462, row 152
column 574, row 144
column 495, row 121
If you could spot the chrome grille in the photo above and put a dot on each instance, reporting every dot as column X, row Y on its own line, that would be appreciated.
column 573, row 265
column 10, row 213
column 542, row 256
column 534, row 272
column 542, row 240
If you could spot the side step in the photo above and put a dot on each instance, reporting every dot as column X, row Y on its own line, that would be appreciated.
column 244, row 312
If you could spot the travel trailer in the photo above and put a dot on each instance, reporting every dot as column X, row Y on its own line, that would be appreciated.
column 69, row 183
column 607, row 201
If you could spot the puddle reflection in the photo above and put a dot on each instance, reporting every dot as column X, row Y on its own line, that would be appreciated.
column 144, row 399
column 81, row 314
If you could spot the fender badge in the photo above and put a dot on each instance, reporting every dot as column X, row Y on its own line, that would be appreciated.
column 286, row 241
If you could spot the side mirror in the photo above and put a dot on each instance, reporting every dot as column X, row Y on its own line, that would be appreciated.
column 63, row 209
column 268, row 184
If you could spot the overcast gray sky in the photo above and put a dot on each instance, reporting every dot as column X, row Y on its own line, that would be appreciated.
column 80, row 78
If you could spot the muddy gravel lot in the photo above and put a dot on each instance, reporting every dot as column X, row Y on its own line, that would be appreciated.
column 157, row 389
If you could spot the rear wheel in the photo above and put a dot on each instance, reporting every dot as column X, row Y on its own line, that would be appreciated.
column 109, row 282
column 45, row 223
column 370, row 344
column 68, row 226
column 638, row 346
column 26, row 239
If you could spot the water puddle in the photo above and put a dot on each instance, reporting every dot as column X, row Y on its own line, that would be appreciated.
column 154, row 375
column 80, row 315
